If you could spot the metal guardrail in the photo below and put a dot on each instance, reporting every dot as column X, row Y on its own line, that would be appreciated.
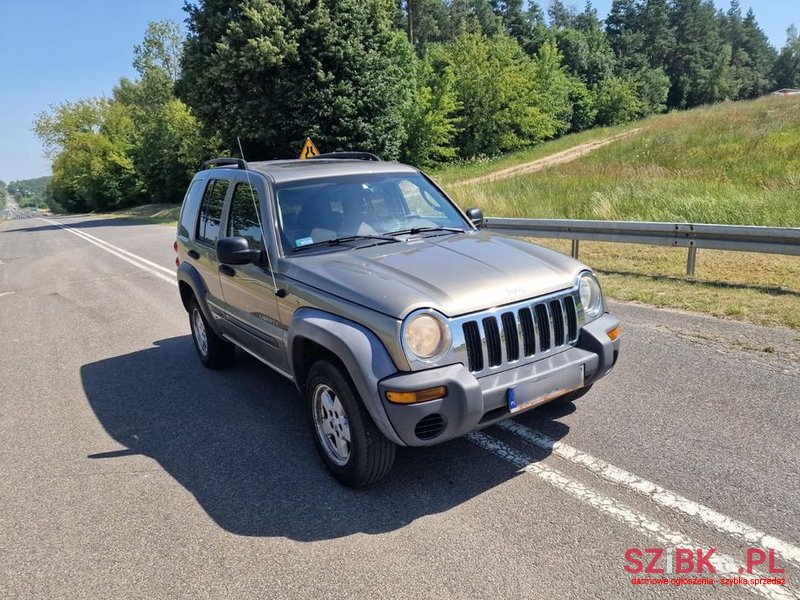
column 768, row 240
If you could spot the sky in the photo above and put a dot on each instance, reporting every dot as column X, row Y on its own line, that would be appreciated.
column 55, row 51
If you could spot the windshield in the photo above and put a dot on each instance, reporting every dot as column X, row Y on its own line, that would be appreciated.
column 313, row 211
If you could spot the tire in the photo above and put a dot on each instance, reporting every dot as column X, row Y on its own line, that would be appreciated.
column 570, row 397
column 214, row 352
column 336, row 412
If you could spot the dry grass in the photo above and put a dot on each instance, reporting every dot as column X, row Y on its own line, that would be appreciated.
column 161, row 214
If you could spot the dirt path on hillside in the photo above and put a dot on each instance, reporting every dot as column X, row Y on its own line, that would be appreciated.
column 558, row 158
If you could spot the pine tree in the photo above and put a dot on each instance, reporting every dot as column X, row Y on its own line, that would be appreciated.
column 699, row 68
column 275, row 71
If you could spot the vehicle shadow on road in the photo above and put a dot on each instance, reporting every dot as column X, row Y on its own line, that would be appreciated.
column 239, row 441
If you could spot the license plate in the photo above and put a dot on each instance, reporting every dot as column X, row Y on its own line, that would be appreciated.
column 532, row 393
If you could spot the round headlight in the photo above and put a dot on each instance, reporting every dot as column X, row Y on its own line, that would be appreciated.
column 591, row 296
column 426, row 336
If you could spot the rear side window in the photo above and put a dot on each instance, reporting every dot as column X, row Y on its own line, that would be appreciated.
column 211, row 211
column 191, row 203
column 243, row 220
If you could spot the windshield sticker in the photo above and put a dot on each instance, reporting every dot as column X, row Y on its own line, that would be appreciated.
column 303, row 242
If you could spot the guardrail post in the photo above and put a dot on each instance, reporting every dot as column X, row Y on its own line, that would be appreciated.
column 691, row 261
column 575, row 248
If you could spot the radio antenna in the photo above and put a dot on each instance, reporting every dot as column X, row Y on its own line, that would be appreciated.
column 260, row 224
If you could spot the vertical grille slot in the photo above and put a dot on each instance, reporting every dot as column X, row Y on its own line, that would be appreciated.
column 572, row 318
column 528, row 331
column 510, row 333
column 558, row 322
column 493, row 349
column 543, row 325
column 472, row 337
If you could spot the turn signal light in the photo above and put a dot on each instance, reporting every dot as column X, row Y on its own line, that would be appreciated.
column 418, row 396
column 614, row 334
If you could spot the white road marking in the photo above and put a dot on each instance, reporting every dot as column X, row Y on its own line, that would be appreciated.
column 154, row 269
column 656, row 493
column 6, row 294
column 723, row 563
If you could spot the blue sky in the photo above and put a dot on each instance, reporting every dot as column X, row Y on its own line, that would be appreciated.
column 63, row 50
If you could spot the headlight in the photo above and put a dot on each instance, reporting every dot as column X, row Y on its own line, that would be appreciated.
column 426, row 336
column 591, row 296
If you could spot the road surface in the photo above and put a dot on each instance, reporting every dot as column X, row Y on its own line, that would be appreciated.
column 127, row 470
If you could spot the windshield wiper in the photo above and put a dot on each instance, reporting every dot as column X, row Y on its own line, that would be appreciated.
column 346, row 238
column 416, row 230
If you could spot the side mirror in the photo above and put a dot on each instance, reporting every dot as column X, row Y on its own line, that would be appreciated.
column 476, row 216
column 235, row 251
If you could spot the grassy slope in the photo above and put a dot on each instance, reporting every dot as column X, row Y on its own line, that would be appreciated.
column 453, row 172
column 729, row 163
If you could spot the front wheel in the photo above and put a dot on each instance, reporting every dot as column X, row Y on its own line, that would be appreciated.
column 351, row 446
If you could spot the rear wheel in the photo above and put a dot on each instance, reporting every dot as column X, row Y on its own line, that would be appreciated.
column 214, row 352
column 351, row 446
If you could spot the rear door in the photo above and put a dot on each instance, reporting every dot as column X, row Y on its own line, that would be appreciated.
column 204, row 251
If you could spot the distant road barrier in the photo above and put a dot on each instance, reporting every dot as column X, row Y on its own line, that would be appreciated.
column 768, row 240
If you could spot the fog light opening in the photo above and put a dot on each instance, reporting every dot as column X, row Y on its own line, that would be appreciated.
column 417, row 396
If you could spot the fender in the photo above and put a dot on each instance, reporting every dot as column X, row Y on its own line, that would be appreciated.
column 362, row 353
column 189, row 275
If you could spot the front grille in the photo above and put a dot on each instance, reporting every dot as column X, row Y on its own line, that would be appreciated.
column 530, row 329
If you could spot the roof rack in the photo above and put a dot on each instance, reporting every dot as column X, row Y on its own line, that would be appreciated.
column 349, row 155
column 225, row 162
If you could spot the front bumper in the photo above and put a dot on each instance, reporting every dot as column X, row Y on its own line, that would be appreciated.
column 473, row 403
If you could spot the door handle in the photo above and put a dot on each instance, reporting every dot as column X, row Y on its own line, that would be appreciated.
column 194, row 254
column 226, row 270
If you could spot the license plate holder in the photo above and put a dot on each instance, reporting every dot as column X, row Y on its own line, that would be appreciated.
column 532, row 393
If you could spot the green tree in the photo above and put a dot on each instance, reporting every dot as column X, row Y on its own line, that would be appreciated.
column 787, row 65
column 502, row 101
column 169, row 141
column 431, row 121
column 616, row 102
column 91, row 142
column 699, row 68
column 274, row 72
column 752, row 56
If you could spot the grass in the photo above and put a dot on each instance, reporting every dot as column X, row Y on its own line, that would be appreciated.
column 161, row 214
column 733, row 163
column 453, row 172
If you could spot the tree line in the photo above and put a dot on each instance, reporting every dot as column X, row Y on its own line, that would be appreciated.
column 423, row 81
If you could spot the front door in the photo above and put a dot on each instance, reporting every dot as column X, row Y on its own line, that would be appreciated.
column 250, row 302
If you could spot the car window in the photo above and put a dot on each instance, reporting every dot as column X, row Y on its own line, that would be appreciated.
column 191, row 203
column 314, row 210
column 211, row 211
column 244, row 220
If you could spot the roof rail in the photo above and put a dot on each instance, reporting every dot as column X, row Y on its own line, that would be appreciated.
column 349, row 155
column 225, row 162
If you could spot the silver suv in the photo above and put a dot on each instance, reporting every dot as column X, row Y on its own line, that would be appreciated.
column 397, row 317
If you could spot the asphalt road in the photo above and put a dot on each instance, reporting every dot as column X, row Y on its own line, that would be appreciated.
column 127, row 470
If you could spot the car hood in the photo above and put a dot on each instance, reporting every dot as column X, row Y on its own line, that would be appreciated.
column 454, row 274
